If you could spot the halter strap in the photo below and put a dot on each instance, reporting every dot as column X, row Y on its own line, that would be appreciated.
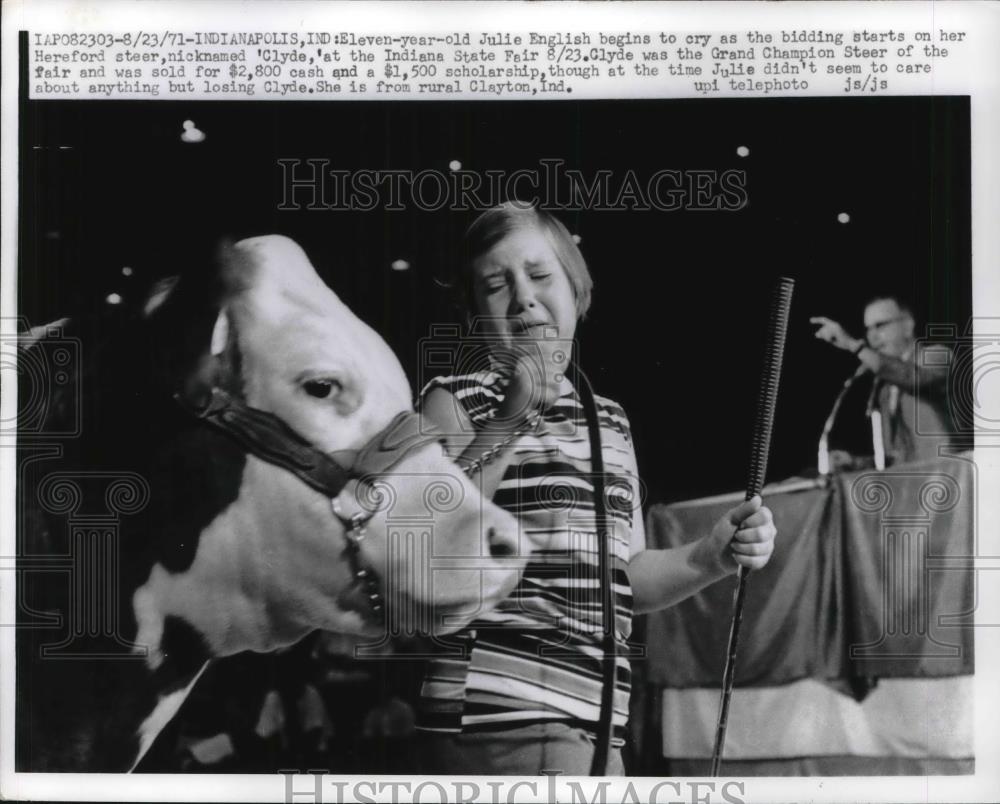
column 269, row 438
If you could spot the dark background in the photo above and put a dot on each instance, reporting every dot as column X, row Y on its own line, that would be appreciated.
column 680, row 297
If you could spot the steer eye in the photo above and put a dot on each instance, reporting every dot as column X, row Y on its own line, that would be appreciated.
column 322, row 388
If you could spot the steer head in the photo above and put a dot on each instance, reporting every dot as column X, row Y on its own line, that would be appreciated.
column 275, row 563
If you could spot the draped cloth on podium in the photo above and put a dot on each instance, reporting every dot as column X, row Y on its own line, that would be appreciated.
column 871, row 579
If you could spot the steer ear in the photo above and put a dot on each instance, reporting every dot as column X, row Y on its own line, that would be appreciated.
column 211, row 368
column 237, row 269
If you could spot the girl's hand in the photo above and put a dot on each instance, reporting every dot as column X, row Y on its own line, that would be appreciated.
column 535, row 369
column 752, row 543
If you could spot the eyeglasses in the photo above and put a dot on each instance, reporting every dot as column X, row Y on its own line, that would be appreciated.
column 880, row 325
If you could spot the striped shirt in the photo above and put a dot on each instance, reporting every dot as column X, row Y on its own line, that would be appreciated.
column 537, row 655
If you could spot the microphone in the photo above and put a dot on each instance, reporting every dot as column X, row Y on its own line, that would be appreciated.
column 823, row 451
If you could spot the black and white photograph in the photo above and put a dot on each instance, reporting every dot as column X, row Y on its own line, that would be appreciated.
column 644, row 438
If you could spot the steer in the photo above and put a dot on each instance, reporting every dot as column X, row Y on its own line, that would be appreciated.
column 257, row 443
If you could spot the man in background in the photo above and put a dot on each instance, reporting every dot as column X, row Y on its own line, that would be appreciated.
column 911, row 385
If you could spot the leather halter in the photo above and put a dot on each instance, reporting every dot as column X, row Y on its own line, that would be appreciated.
column 269, row 438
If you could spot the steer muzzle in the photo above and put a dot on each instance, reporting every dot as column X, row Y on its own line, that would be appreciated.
column 502, row 542
column 444, row 552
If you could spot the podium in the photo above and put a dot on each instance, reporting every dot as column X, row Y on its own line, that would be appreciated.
column 856, row 654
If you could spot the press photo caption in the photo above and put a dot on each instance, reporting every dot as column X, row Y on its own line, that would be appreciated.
column 354, row 65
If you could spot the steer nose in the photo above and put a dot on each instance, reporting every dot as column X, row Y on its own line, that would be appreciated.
column 503, row 543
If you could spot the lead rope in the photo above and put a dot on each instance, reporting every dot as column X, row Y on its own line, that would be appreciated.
column 602, row 746
column 599, row 763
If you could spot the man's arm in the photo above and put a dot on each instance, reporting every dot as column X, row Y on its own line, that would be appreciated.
column 910, row 373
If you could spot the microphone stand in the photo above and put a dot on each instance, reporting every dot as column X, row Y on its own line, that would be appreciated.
column 875, row 417
column 823, row 452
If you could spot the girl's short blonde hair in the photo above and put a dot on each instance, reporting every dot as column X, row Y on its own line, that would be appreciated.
column 496, row 223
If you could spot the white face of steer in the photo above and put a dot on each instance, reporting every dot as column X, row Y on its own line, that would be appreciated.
column 271, row 567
